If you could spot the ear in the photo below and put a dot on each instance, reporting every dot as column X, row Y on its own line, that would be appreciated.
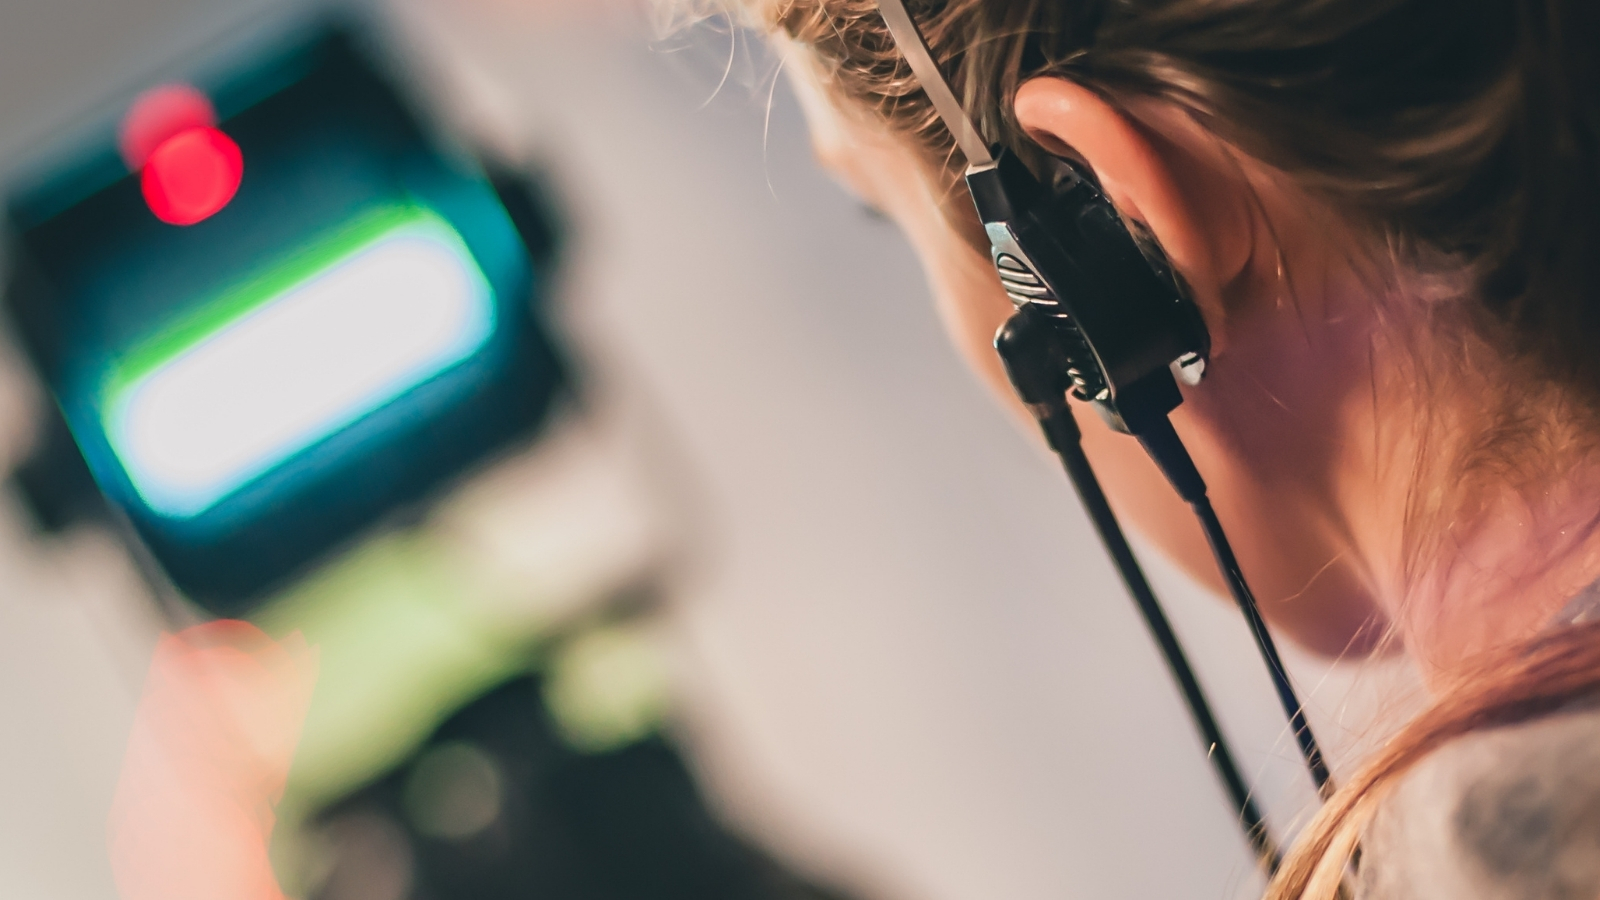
column 1161, row 170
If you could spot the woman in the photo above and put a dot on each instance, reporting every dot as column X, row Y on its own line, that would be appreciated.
column 1388, row 212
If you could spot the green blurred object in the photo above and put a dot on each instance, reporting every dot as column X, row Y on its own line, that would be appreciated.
column 517, row 570
column 400, row 650
column 606, row 688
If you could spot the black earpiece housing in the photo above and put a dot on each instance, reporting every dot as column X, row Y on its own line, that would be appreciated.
column 1060, row 246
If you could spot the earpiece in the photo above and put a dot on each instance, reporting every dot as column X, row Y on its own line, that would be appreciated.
column 1121, row 333
column 1102, row 316
column 1126, row 330
column 1059, row 246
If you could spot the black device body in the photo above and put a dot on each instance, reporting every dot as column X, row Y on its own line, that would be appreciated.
column 623, row 824
column 324, row 134
column 1061, row 246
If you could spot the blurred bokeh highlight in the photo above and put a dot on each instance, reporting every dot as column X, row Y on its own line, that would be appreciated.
column 488, row 458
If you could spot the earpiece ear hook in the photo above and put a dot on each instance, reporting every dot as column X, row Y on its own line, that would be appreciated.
column 1099, row 319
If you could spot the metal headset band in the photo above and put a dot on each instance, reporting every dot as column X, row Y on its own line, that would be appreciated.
column 1105, row 319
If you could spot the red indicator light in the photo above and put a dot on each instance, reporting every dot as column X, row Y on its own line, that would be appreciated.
column 192, row 175
column 158, row 114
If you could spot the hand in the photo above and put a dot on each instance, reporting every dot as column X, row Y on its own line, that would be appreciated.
column 207, row 762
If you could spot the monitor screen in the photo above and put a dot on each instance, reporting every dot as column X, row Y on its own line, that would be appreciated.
column 272, row 308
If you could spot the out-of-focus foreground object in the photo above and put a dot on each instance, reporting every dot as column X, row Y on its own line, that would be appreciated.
column 296, row 349
column 272, row 308
column 207, row 761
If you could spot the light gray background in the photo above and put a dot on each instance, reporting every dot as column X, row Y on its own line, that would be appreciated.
column 906, row 666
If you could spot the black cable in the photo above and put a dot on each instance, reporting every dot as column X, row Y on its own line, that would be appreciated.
column 1165, row 447
column 1025, row 348
column 1269, row 650
column 1155, row 619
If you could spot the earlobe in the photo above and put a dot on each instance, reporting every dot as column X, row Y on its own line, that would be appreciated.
column 1158, row 175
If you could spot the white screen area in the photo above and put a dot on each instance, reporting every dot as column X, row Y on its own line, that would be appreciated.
column 322, row 355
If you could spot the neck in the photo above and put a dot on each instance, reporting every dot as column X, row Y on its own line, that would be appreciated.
column 1484, row 522
column 1504, row 577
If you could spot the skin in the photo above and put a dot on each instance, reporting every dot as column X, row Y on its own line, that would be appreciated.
column 1339, row 423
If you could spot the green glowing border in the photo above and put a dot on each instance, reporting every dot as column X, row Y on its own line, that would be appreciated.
column 257, row 291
